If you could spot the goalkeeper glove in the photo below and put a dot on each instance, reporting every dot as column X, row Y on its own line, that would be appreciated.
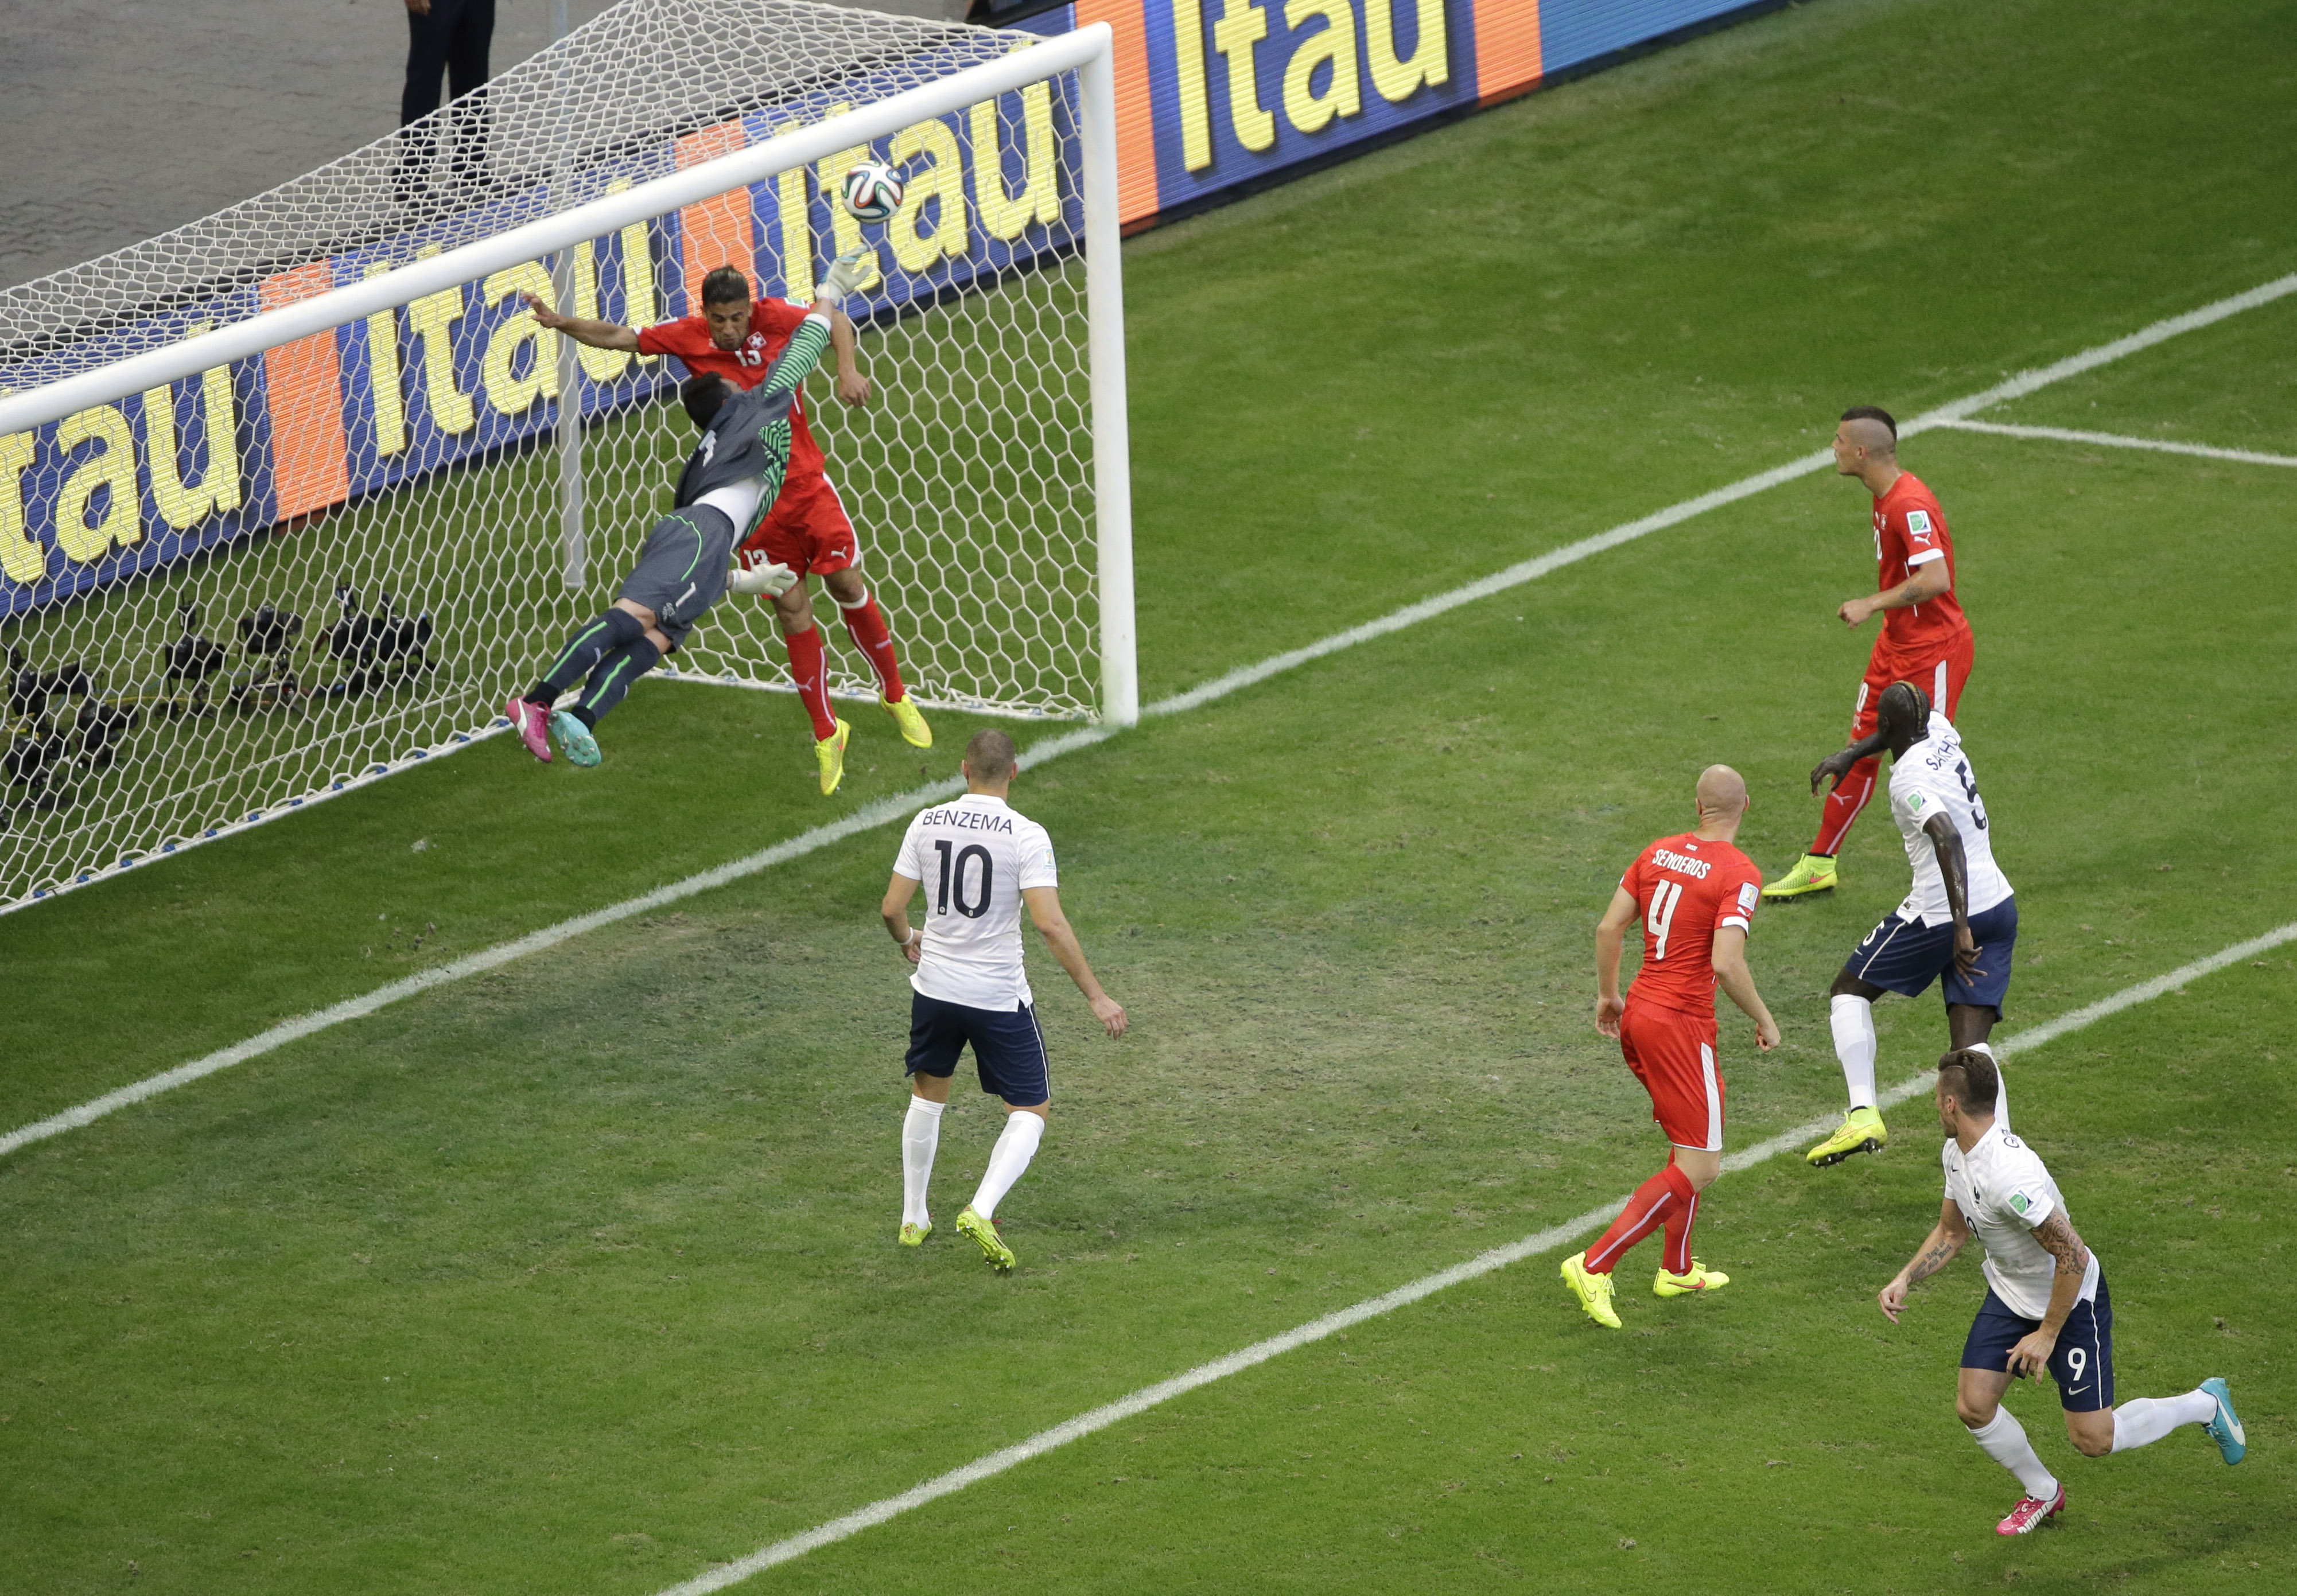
column 846, row 275
column 771, row 579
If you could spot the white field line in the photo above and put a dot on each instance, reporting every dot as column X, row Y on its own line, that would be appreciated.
column 1482, row 1263
column 2116, row 440
column 895, row 808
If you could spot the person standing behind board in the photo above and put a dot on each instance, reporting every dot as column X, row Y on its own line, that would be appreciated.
column 444, row 37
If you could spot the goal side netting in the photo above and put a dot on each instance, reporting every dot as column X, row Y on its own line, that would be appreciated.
column 294, row 497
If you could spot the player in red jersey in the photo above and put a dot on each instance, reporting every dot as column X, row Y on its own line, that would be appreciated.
column 737, row 338
column 1695, row 894
column 1926, row 637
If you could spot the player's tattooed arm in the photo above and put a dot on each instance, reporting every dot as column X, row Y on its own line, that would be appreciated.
column 2059, row 1240
column 1837, row 765
column 1937, row 1250
column 1954, row 869
column 2032, row 1355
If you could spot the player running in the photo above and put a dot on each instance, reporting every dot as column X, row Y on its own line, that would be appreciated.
column 1695, row 895
column 737, row 338
column 2046, row 1305
column 1960, row 921
column 732, row 478
column 986, row 863
column 1925, row 638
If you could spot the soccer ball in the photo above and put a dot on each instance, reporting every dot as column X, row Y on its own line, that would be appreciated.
column 873, row 191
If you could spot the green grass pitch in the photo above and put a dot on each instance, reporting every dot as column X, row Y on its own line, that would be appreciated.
column 579, row 1275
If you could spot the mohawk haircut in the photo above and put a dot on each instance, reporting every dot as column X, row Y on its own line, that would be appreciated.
column 727, row 285
column 1902, row 704
column 989, row 755
column 1872, row 413
column 1969, row 1079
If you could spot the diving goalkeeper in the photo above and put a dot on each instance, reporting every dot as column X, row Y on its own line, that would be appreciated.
column 729, row 485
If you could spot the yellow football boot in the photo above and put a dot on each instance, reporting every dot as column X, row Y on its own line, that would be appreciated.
column 1861, row 1131
column 984, row 1235
column 1811, row 872
column 906, row 715
column 829, row 753
column 1700, row 1279
column 1592, row 1290
column 914, row 1235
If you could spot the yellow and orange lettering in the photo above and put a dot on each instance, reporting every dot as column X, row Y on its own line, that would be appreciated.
column 1336, row 43
column 1040, row 200
column 943, row 179
column 508, row 393
column 433, row 318
column 1431, row 64
column 847, row 231
column 21, row 557
column 1189, row 76
column 640, row 307
column 383, row 378
column 115, row 468
column 182, row 504
column 1243, row 25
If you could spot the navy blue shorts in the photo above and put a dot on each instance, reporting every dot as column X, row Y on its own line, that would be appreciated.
column 1905, row 956
column 1008, row 1051
column 2083, row 1362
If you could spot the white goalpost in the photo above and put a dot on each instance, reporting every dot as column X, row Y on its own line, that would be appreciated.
column 293, row 497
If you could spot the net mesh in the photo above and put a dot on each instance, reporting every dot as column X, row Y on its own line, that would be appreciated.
column 224, row 599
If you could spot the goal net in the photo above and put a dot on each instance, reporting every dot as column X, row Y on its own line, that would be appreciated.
column 294, row 497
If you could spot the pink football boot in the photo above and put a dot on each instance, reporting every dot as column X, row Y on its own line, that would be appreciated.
column 2027, row 1517
column 532, row 724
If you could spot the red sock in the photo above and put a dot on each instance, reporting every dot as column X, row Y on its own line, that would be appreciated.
column 865, row 623
column 1645, row 1212
column 1842, row 806
column 1680, row 1218
column 810, row 663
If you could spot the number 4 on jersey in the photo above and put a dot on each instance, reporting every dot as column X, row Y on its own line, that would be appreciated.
column 1661, row 915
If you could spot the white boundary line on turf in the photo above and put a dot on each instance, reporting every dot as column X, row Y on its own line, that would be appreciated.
column 895, row 808
column 1316, row 1329
column 2116, row 440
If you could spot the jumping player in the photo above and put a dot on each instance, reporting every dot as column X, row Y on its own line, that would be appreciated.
column 1695, row 895
column 727, row 483
column 986, row 863
column 738, row 337
column 1925, row 638
column 1959, row 921
column 2046, row 1305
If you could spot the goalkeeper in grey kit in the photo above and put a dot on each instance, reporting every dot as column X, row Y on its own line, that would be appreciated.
column 727, row 486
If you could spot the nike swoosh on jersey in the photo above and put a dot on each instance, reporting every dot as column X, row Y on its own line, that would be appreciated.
column 2076, row 1390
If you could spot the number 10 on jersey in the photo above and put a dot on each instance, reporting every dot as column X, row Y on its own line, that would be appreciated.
column 952, row 892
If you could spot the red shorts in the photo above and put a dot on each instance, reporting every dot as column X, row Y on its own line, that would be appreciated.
column 1673, row 1055
column 806, row 530
column 1942, row 676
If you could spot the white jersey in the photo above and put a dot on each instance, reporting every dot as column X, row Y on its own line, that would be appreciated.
column 1933, row 778
column 976, row 857
column 2004, row 1192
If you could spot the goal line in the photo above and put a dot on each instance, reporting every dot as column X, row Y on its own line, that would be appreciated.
column 901, row 806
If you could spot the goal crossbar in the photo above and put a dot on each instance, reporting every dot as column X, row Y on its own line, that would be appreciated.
column 36, row 407
column 992, row 462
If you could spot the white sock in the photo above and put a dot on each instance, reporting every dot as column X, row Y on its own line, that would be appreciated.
column 920, row 1138
column 2004, row 1441
column 2001, row 1086
column 1853, row 1021
column 1007, row 1159
column 2148, row 1419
